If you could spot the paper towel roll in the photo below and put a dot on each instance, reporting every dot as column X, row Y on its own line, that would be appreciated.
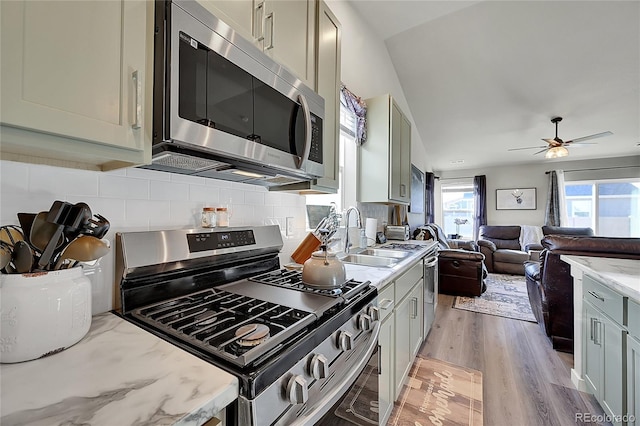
column 370, row 229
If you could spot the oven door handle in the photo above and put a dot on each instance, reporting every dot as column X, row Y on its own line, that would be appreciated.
column 340, row 389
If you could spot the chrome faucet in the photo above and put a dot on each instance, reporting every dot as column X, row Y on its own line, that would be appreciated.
column 347, row 243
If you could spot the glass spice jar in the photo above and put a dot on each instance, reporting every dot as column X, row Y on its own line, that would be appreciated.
column 222, row 215
column 208, row 217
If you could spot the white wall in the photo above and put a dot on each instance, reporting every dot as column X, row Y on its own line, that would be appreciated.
column 368, row 72
column 533, row 176
column 140, row 200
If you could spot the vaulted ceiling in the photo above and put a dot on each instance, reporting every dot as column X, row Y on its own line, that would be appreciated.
column 482, row 77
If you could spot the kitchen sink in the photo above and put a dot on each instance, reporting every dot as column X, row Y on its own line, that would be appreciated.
column 367, row 260
column 396, row 254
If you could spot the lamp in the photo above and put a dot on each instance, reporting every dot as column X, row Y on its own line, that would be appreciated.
column 557, row 152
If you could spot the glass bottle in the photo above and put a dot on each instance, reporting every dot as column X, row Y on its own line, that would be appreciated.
column 222, row 215
column 208, row 217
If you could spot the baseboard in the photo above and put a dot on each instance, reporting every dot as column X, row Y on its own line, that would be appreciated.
column 578, row 381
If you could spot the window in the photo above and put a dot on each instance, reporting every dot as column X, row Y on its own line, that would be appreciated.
column 317, row 205
column 457, row 206
column 610, row 207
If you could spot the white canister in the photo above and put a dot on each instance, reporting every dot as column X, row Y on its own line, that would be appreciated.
column 42, row 313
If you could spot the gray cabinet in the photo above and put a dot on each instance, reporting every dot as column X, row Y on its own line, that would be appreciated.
column 604, row 337
column 76, row 83
column 386, row 388
column 385, row 159
column 633, row 365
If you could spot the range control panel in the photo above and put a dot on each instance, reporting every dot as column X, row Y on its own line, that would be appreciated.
column 215, row 240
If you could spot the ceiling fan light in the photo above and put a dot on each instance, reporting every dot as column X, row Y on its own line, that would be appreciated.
column 557, row 152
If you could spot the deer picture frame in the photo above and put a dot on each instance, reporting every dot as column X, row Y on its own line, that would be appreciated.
column 516, row 199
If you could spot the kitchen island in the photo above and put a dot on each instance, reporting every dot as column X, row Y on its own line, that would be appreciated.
column 120, row 374
column 607, row 332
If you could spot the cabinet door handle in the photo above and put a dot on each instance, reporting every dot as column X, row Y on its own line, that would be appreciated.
column 386, row 304
column 379, row 360
column 403, row 190
column 258, row 21
column 270, row 19
column 414, row 307
column 591, row 328
column 597, row 332
column 596, row 295
column 137, row 106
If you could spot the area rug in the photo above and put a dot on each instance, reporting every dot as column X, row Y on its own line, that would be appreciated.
column 506, row 296
column 439, row 393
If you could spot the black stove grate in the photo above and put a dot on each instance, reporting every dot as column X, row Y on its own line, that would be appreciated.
column 210, row 319
column 293, row 279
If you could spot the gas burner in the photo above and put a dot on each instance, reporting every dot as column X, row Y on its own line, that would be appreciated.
column 252, row 334
column 293, row 280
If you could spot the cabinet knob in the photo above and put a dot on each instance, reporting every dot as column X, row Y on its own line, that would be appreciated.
column 319, row 367
column 297, row 391
column 345, row 340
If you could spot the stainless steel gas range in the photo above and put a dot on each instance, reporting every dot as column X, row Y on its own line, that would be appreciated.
column 221, row 295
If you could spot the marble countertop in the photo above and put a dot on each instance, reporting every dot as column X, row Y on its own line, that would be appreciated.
column 118, row 374
column 623, row 275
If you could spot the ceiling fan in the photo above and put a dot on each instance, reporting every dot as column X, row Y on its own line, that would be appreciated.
column 557, row 147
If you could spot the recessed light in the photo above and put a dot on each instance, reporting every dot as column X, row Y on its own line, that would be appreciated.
column 456, row 161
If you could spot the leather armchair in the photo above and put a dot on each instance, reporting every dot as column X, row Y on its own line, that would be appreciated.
column 501, row 248
column 560, row 230
column 550, row 284
column 461, row 269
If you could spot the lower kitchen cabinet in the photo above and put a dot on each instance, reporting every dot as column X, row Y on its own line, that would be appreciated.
column 408, row 330
column 603, row 343
column 633, row 365
column 386, row 388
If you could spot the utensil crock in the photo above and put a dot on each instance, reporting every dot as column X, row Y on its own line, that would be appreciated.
column 42, row 313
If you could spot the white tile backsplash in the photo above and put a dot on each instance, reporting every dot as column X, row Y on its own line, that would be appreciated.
column 139, row 200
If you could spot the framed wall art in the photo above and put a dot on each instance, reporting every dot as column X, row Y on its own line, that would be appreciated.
column 516, row 199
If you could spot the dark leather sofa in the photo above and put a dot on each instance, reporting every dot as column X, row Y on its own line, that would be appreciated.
column 501, row 248
column 461, row 270
column 550, row 284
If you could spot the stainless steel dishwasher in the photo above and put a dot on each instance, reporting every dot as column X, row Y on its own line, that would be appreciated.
column 430, row 289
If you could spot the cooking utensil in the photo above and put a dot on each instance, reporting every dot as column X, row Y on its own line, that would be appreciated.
column 26, row 223
column 11, row 234
column 22, row 257
column 5, row 254
column 61, row 214
column 97, row 227
column 83, row 212
column 85, row 248
column 42, row 232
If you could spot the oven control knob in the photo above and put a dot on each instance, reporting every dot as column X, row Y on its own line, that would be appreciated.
column 319, row 367
column 345, row 340
column 297, row 391
column 374, row 313
column 364, row 322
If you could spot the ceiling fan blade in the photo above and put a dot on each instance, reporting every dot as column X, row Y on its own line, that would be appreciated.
column 586, row 138
column 553, row 142
column 529, row 147
column 541, row 151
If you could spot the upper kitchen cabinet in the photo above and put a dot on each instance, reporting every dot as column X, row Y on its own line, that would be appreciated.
column 328, row 42
column 385, row 157
column 238, row 14
column 76, row 82
column 284, row 30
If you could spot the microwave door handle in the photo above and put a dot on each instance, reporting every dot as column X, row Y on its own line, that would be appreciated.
column 307, row 132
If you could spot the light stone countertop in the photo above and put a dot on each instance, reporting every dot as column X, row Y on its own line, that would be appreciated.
column 118, row 374
column 622, row 275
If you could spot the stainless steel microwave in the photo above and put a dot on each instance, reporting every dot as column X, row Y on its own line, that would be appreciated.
column 223, row 109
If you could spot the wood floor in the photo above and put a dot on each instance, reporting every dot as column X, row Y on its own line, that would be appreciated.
column 525, row 381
